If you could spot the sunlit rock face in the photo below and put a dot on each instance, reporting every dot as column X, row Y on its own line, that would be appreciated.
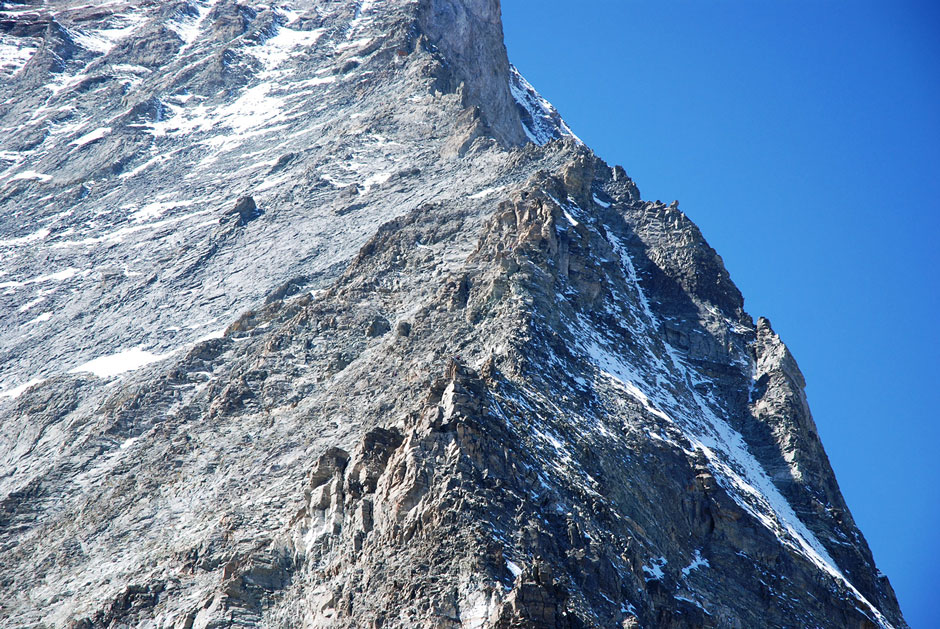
column 316, row 314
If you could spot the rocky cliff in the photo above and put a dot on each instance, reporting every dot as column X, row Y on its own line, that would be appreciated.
column 316, row 314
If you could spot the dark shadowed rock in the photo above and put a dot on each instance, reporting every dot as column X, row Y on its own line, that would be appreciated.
column 244, row 211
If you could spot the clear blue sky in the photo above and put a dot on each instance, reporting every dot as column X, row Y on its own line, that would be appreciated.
column 803, row 137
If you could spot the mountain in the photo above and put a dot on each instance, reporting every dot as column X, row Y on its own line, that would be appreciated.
column 316, row 314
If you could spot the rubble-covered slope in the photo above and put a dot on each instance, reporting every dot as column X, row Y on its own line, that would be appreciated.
column 463, row 376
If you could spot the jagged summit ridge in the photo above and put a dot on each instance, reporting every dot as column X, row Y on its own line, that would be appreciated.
column 334, row 329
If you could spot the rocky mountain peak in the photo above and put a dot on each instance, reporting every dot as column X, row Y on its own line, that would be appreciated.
column 316, row 314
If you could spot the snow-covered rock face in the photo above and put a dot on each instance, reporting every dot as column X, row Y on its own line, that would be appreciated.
column 541, row 122
column 307, row 320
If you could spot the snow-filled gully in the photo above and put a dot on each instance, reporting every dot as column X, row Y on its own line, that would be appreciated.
column 731, row 462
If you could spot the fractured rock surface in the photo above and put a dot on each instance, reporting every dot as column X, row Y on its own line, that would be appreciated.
column 316, row 314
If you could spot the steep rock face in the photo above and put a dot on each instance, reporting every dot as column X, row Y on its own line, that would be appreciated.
column 469, row 34
column 154, row 119
column 461, row 382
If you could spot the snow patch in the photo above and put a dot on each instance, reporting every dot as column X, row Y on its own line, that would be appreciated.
column 33, row 302
column 680, row 597
column 157, row 209
column 187, row 25
column 314, row 82
column 59, row 276
column 217, row 334
column 654, row 571
column 15, row 52
column 254, row 108
column 375, row 180
column 566, row 209
column 697, row 562
column 17, row 391
column 93, row 136
column 153, row 161
column 119, row 363
column 39, row 234
column 119, row 235
column 104, row 39
column 32, row 174
column 486, row 192
column 40, row 319
column 277, row 50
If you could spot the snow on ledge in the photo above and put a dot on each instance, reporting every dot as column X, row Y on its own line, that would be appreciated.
column 119, row 363
column 697, row 562
column 32, row 174
column 94, row 136
column 15, row 392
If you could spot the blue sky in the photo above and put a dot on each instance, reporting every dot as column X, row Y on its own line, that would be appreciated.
column 804, row 139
